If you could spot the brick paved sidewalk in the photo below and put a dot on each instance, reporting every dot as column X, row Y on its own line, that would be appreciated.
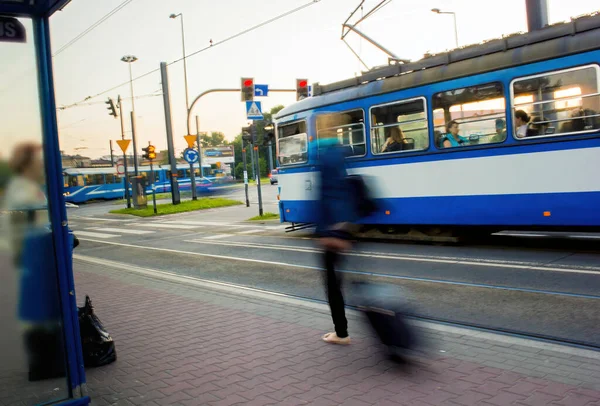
column 180, row 342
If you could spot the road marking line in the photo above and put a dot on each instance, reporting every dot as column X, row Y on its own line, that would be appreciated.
column 200, row 254
column 122, row 230
column 100, row 219
column 382, row 255
column 216, row 237
column 211, row 223
column 165, row 225
column 257, row 230
column 94, row 235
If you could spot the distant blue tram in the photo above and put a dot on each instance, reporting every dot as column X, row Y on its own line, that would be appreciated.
column 500, row 135
column 85, row 184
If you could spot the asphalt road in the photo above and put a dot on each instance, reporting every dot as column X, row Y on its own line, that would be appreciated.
column 524, row 287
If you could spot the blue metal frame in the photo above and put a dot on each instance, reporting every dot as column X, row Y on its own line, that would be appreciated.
column 57, row 211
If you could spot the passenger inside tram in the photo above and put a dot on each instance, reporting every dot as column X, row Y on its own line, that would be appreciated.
column 521, row 123
column 500, row 131
column 452, row 138
column 395, row 141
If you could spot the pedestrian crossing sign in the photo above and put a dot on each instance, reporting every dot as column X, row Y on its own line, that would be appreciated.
column 254, row 110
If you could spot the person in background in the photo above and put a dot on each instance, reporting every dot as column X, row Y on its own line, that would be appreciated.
column 335, row 219
column 452, row 139
column 500, row 131
column 521, row 123
column 395, row 141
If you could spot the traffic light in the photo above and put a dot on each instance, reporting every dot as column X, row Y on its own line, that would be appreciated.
column 247, row 134
column 301, row 89
column 112, row 110
column 247, row 89
column 149, row 153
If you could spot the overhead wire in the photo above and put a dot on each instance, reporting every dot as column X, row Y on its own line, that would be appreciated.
column 278, row 17
column 93, row 26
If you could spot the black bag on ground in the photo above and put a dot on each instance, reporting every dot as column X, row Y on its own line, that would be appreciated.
column 385, row 312
column 97, row 345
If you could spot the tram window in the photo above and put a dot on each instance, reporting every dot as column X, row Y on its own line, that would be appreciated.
column 110, row 179
column 479, row 112
column 559, row 103
column 293, row 143
column 348, row 127
column 181, row 174
column 75, row 181
column 399, row 127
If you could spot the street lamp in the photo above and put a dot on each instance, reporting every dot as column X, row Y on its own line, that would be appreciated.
column 129, row 59
column 438, row 11
column 187, row 101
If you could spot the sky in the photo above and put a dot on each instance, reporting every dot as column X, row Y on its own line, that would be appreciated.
column 305, row 44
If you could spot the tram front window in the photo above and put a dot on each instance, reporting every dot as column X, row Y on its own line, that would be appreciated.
column 32, row 366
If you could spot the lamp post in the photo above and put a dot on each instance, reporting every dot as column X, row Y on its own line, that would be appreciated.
column 187, row 100
column 129, row 59
column 438, row 11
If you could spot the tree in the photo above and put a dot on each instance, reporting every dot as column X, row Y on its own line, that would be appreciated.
column 215, row 139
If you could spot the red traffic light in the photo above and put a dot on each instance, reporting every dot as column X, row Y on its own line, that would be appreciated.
column 302, row 83
column 248, row 82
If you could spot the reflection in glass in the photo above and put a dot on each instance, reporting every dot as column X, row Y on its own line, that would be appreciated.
column 32, row 370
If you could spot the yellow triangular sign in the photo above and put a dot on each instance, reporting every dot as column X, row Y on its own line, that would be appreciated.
column 124, row 144
column 190, row 139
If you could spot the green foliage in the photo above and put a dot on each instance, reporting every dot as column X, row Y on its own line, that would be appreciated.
column 239, row 168
column 215, row 139
column 265, row 216
column 5, row 174
column 190, row 205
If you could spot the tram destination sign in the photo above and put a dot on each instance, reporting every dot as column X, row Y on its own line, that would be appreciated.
column 11, row 30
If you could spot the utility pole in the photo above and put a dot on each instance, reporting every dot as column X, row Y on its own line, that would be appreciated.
column 112, row 157
column 169, row 127
column 127, row 196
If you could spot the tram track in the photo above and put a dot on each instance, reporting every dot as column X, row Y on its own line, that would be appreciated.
column 543, row 314
column 580, row 344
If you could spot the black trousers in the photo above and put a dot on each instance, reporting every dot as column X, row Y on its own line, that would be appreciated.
column 333, row 282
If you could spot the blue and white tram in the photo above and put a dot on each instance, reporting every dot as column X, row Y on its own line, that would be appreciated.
column 498, row 172
column 85, row 184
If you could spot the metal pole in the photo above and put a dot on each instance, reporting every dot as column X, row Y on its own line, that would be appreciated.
column 135, row 161
column 270, row 148
column 455, row 30
column 153, row 187
column 169, row 127
column 260, row 205
column 199, row 147
column 245, row 174
column 252, row 163
column 112, row 156
column 187, row 100
column 193, row 179
column 126, row 183
column 537, row 14
column 135, row 157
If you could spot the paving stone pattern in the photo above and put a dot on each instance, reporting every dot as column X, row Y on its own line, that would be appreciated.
column 182, row 345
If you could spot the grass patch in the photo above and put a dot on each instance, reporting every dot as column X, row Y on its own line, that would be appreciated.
column 265, row 216
column 190, row 205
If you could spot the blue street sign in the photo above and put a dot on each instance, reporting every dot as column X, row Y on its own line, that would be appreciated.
column 254, row 110
column 309, row 90
column 261, row 90
column 190, row 155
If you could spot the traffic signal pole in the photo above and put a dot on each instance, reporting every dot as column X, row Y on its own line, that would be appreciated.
column 169, row 126
column 153, row 187
column 255, row 147
column 245, row 174
column 126, row 183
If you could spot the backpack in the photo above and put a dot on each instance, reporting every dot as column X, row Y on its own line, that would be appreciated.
column 364, row 204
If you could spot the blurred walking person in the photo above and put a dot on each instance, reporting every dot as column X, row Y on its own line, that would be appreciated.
column 334, row 228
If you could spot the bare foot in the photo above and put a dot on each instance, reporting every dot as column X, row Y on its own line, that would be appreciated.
column 332, row 338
